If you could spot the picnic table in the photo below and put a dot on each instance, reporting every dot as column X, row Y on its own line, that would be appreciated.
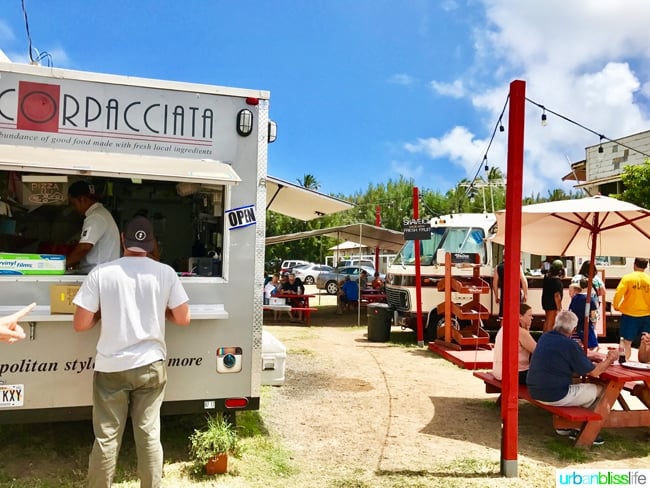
column 615, row 379
column 372, row 295
column 304, row 308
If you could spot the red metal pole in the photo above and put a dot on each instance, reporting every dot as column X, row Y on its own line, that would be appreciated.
column 509, row 401
column 378, row 224
column 418, row 285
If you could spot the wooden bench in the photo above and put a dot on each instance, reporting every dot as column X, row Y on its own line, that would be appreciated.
column 277, row 309
column 307, row 311
column 573, row 414
column 630, row 385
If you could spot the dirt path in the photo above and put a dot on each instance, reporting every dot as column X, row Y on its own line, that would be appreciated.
column 356, row 410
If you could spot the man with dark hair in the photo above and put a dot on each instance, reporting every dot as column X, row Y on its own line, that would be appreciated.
column 293, row 286
column 632, row 299
column 133, row 295
column 100, row 237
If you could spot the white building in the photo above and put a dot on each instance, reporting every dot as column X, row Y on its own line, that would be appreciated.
column 601, row 171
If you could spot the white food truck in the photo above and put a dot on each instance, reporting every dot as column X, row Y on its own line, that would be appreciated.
column 469, row 234
column 190, row 157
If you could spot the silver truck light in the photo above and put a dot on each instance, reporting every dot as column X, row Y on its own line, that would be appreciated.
column 273, row 132
column 244, row 122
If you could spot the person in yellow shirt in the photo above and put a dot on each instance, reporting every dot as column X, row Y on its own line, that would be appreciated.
column 632, row 299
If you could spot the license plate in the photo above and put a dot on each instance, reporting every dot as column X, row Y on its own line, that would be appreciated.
column 12, row 395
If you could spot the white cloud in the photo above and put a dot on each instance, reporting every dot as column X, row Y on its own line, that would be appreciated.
column 584, row 60
column 454, row 89
column 6, row 33
column 402, row 79
column 645, row 89
column 58, row 58
column 406, row 170
column 448, row 5
column 458, row 145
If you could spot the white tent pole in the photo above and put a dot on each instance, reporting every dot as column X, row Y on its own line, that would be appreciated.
column 359, row 280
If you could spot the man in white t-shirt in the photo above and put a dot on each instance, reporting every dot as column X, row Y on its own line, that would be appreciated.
column 100, row 237
column 133, row 296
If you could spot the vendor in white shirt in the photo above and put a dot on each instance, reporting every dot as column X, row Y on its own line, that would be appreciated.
column 100, row 237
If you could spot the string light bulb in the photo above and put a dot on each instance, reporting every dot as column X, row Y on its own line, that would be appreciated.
column 544, row 121
column 600, row 147
column 485, row 161
column 501, row 128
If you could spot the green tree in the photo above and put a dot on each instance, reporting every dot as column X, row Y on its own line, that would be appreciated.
column 636, row 181
column 395, row 202
column 495, row 174
column 309, row 181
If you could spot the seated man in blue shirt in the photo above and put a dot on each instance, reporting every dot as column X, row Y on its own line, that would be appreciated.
column 349, row 292
column 555, row 361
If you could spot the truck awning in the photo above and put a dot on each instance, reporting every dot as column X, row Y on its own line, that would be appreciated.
column 300, row 203
column 117, row 165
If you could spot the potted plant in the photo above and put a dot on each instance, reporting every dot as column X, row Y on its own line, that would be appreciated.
column 211, row 445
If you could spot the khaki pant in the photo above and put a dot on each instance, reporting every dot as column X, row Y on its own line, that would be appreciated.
column 138, row 392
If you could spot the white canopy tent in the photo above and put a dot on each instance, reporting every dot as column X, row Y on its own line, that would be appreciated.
column 364, row 234
column 299, row 202
column 345, row 246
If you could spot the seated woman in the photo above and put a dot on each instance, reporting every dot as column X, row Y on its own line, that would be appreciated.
column 526, row 346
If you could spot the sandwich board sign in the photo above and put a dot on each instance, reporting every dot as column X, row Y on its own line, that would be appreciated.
column 416, row 229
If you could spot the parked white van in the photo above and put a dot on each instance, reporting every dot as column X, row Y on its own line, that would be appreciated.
column 291, row 263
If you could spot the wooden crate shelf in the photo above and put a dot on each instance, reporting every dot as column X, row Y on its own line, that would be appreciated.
column 473, row 311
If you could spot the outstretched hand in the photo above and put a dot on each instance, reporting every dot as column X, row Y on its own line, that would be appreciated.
column 644, row 348
column 10, row 331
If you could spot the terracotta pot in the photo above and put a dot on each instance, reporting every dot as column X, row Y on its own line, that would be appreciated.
column 217, row 465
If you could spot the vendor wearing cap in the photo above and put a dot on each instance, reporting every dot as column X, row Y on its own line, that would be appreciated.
column 100, row 237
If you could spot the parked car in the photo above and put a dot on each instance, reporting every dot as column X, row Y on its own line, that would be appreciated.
column 310, row 272
column 289, row 264
column 329, row 281
column 355, row 262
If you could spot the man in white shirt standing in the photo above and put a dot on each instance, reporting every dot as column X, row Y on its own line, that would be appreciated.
column 133, row 295
column 100, row 237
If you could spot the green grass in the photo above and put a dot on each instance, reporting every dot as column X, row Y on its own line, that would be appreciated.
column 56, row 455
column 404, row 338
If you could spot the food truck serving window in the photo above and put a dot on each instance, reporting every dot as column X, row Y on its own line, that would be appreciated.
column 184, row 199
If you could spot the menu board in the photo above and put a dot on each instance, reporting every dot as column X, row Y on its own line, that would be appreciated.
column 44, row 190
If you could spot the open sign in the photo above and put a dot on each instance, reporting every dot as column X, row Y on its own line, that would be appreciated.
column 240, row 217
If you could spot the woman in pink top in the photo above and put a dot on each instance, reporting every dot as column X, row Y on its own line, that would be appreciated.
column 526, row 346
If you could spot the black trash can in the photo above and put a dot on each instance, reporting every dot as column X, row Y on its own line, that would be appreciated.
column 380, row 316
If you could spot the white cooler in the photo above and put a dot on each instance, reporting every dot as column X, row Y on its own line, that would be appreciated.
column 274, row 355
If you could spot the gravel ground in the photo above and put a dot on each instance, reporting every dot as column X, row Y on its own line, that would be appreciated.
column 358, row 413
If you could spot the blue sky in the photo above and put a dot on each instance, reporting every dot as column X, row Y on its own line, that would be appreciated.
column 364, row 91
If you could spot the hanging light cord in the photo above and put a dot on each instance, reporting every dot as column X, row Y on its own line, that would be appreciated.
column 40, row 56
column 484, row 160
column 601, row 136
